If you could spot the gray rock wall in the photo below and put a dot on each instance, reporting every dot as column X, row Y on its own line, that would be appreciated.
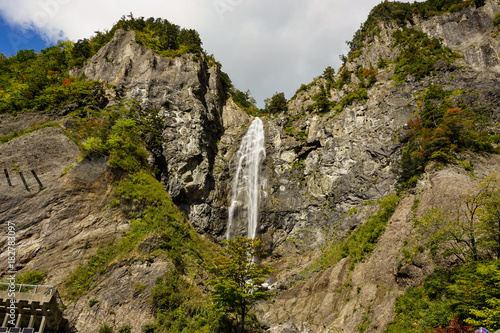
column 190, row 97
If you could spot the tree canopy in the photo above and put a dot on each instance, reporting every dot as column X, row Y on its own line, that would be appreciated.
column 238, row 278
column 276, row 103
column 469, row 232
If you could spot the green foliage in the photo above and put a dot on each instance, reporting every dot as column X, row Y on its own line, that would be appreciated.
column 161, row 36
column 140, row 192
column 366, row 76
column 93, row 147
column 105, row 328
column 418, row 54
column 328, row 75
column 80, row 52
column 151, row 126
column 125, row 329
column 496, row 20
column 490, row 215
column 31, row 277
column 344, row 78
column 322, row 103
column 149, row 328
column 277, row 103
column 439, row 132
column 238, row 279
column 245, row 101
column 469, row 292
column 359, row 243
column 226, row 81
column 30, row 81
column 170, row 292
column 300, row 135
column 139, row 287
column 79, row 283
column 402, row 13
column 357, row 95
column 121, row 142
column 469, row 231
column 181, row 307
column 383, row 63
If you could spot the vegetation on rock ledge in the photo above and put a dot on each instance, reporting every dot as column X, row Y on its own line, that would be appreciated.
column 401, row 13
column 442, row 128
column 360, row 242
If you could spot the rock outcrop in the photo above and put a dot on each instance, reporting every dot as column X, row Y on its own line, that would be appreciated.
column 189, row 95
column 317, row 183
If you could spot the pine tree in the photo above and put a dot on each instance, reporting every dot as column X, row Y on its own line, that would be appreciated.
column 239, row 279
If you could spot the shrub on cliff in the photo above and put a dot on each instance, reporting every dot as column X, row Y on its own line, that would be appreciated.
column 470, row 293
column 402, row 13
column 439, row 132
column 418, row 54
column 276, row 103
column 122, row 144
column 39, row 81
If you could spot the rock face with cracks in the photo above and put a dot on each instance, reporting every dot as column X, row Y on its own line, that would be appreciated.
column 323, row 175
column 189, row 95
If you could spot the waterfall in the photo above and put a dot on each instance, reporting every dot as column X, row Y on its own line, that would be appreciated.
column 244, row 209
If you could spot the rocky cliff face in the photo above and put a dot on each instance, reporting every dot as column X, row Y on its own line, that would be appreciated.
column 61, row 224
column 324, row 173
column 345, row 159
column 189, row 96
column 69, row 219
column 319, row 186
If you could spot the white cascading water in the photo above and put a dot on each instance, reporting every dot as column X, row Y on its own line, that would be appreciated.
column 247, row 183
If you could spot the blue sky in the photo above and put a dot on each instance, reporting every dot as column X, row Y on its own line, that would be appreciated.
column 13, row 39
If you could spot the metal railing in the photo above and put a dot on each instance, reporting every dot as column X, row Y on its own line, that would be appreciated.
column 35, row 289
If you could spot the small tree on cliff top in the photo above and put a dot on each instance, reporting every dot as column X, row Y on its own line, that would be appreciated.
column 238, row 282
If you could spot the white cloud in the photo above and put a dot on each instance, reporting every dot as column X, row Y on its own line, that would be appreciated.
column 264, row 46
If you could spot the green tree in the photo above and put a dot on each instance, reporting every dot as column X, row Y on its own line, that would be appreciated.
column 80, row 52
column 479, row 295
column 469, row 231
column 239, row 279
column 123, row 145
column 277, row 103
column 490, row 215
column 243, row 98
column 321, row 101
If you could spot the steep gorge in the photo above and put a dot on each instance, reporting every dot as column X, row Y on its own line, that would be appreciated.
column 325, row 173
